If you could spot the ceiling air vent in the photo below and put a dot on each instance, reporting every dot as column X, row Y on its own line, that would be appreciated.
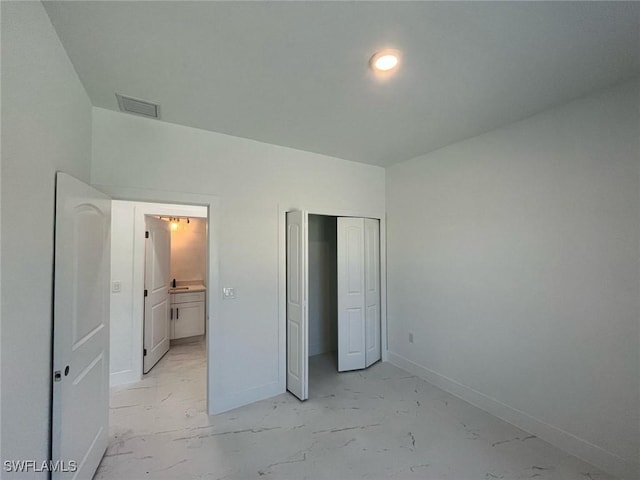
column 138, row 107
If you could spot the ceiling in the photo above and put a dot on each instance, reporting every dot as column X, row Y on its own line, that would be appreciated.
column 296, row 73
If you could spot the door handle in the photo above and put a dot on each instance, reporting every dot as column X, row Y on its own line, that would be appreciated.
column 171, row 317
column 177, row 313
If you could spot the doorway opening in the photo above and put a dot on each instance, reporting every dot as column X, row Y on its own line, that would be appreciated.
column 323, row 293
column 174, row 284
column 333, row 300
column 160, row 275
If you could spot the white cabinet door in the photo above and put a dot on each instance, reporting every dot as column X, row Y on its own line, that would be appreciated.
column 372, row 290
column 351, row 294
column 157, row 275
column 188, row 319
column 81, row 326
column 297, row 313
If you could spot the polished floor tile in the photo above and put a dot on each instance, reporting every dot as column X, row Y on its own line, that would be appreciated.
column 379, row 423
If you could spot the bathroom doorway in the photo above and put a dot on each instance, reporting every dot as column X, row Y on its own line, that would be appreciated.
column 142, row 284
column 174, row 283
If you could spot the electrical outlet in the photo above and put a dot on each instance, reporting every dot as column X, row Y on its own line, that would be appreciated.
column 411, row 338
column 228, row 293
column 116, row 287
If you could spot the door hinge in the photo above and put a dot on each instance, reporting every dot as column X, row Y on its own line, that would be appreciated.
column 145, row 292
column 146, row 234
column 145, row 352
column 57, row 376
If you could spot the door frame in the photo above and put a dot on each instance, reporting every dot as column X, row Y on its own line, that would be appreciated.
column 282, row 276
column 215, row 398
column 138, row 275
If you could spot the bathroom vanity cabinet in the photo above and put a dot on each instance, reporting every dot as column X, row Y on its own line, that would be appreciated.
column 187, row 313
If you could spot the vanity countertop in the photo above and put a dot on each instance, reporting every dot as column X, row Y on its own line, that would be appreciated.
column 188, row 288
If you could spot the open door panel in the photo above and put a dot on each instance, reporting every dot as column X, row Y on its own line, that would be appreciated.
column 157, row 274
column 297, row 304
column 80, row 327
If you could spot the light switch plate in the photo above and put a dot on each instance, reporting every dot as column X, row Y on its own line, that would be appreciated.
column 228, row 293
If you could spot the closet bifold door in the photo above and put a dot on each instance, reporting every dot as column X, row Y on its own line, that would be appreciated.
column 372, row 290
column 358, row 293
column 351, row 294
column 297, row 304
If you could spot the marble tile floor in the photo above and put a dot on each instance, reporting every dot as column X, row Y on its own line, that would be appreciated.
column 380, row 423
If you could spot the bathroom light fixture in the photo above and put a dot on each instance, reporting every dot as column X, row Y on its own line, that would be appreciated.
column 175, row 221
column 385, row 61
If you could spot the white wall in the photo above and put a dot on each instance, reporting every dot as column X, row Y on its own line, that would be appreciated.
column 46, row 126
column 127, row 267
column 189, row 251
column 254, row 182
column 323, row 284
column 513, row 259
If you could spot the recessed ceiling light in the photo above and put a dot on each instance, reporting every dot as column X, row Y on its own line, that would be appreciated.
column 385, row 61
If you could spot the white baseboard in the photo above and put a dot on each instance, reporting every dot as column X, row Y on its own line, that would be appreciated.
column 123, row 377
column 601, row 458
column 225, row 403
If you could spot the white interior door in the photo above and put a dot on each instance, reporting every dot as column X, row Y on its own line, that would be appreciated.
column 157, row 273
column 351, row 294
column 372, row 290
column 297, row 304
column 81, row 326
